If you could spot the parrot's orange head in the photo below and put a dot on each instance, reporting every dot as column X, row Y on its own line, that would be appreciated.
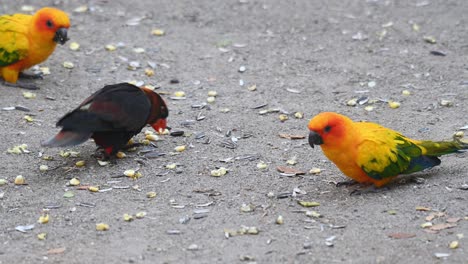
column 327, row 128
column 159, row 110
column 52, row 24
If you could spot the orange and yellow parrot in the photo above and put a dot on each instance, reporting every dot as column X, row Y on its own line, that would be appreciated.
column 27, row 40
column 370, row 153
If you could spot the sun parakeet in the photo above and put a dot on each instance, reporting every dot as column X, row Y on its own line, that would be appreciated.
column 111, row 116
column 27, row 40
column 370, row 153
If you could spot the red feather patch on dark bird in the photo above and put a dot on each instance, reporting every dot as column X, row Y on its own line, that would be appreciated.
column 111, row 116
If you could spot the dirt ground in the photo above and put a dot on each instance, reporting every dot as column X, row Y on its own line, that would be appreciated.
column 301, row 56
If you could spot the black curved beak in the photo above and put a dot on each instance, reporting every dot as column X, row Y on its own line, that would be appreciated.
column 315, row 139
column 61, row 36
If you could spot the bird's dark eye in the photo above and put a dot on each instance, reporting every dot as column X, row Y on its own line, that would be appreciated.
column 327, row 129
column 50, row 24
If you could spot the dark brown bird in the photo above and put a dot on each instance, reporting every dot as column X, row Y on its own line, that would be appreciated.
column 111, row 116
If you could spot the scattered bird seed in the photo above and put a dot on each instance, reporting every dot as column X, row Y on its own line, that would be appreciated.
column 93, row 188
column 299, row 115
column 41, row 236
column 43, row 219
column 157, row 32
column 81, row 9
column 68, row 65
column 80, row 163
column 262, row 165
column 211, row 99
column 430, row 39
column 405, row 92
column 74, row 46
column 133, row 65
column 74, row 182
column 283, row 117
column 252, row 87
column 28, row 95
column 219, row 172
column 453, row 244
column 102, row 227
column 180, row 148
column 426, row 224
column 352, row 102
column 127, row 217
column 68, row 194
column 110, row 47
column 393, row 104
column 315, row 170
column 28, row 118
column 151, row 194
column 279, row 220
column 19, row 180
column 27, row 8
column 446, row 103
column 308, row 204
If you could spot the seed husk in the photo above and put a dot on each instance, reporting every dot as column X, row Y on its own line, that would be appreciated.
column 219, row 172
column 180, row 148
column 93, row 188
column 151, row 194
column 127, row 217
column 393, row 104
column 74, row 46
column 157, row 32
column 41, row 236
column 19, row 180
column 279, row 220
column 102, row 227
column 80, row 163
column 43, row 219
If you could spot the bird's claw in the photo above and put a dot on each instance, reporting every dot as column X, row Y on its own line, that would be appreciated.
column 35, row 76
column 367, row 190
column 346, row 183
column 23, row 85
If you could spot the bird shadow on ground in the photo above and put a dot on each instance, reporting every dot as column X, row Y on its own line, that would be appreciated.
column 356, row 188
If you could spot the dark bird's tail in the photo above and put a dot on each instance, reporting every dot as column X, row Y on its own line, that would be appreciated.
column 66, row 138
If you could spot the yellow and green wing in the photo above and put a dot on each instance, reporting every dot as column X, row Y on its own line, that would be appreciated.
column 385, row 153
column 14, row 42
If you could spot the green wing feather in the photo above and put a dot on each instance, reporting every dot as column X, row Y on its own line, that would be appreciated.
column 386, row 153
column 14, row 43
